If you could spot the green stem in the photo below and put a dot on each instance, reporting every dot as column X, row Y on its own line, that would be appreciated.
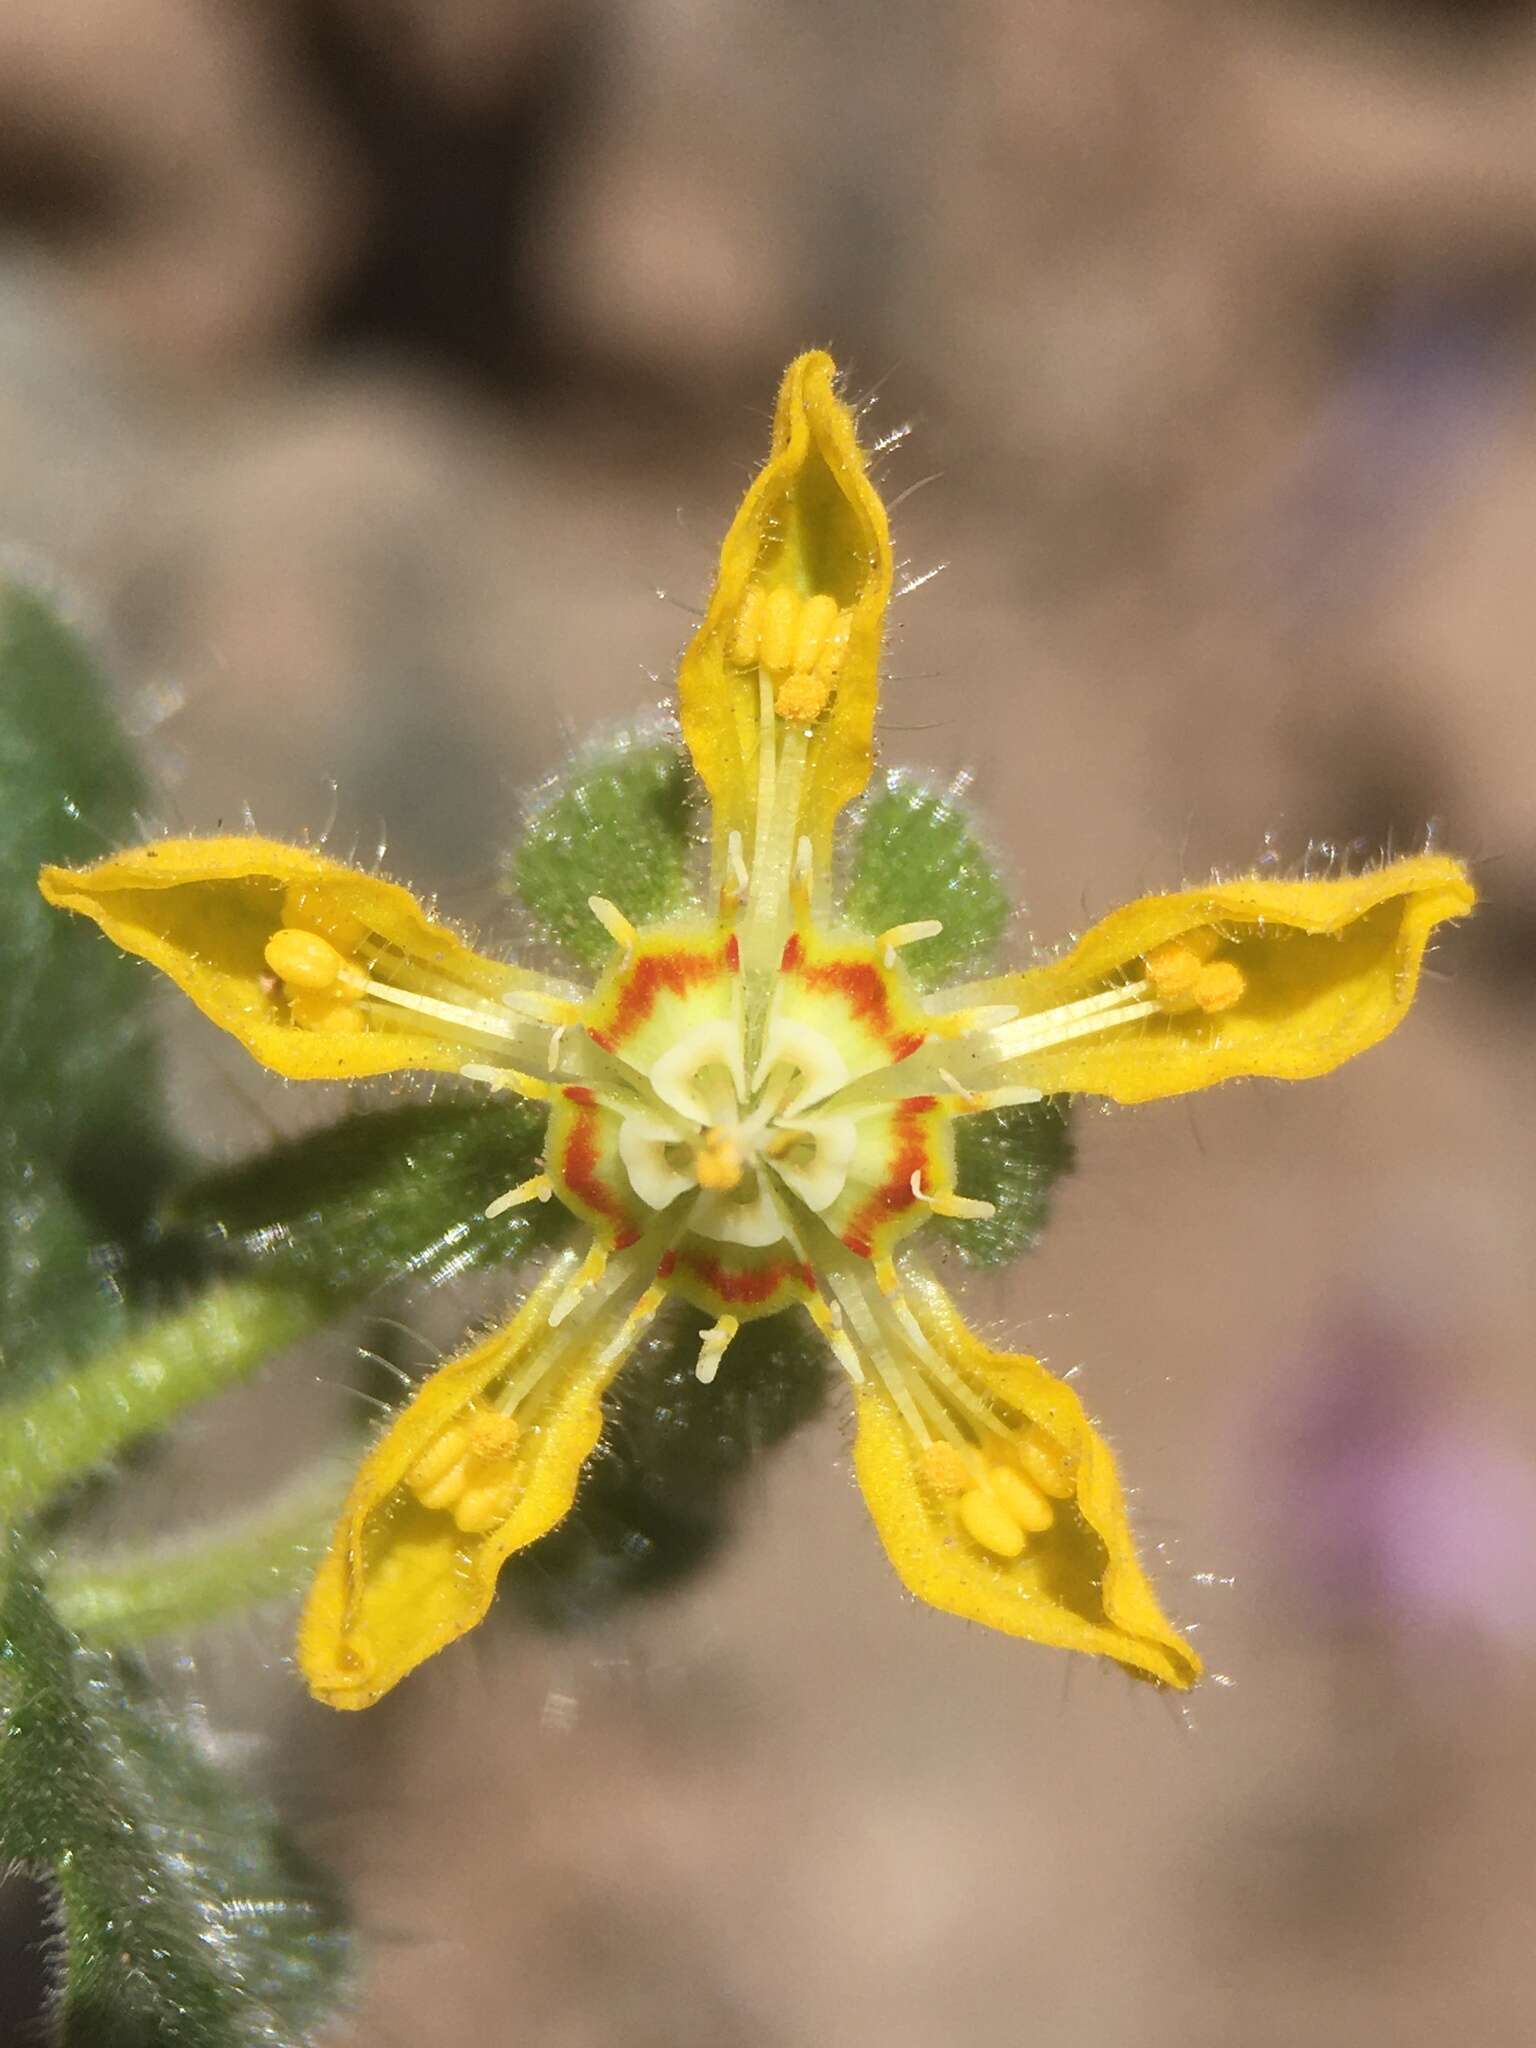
column 57, row 1435
column 206, row 1574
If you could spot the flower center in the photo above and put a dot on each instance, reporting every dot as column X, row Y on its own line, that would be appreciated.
column 742, row 1111
column 739, row 1148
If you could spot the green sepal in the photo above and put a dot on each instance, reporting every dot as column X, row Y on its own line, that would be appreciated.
column 1012, row 1158
column 618, row 823
column 82, row 1157
column 186, row 1917
column 655, row 1501
column 917, row 855
column 388, row 1194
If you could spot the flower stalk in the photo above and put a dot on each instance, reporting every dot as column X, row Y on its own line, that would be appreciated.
column 68, row 1428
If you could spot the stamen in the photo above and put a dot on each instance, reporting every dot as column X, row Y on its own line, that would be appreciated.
column 907, row 935
column 943, row 1469
column 963, row 1101
column 613, row 922
column 528, row 1002
column 837, row 1338
column 485, row 1022
column 987, row 1522
column 1024, row 1501
column 510, row 1079
column 538, row 1189
column 590, row 1272
column 960, row 1206
column 712, row 1348
column 1047, row 1029
column 632, row 1325
column 305, row 960
column 737, row 881
column 1220, row 986
column 802, row 877
column 983, row 1017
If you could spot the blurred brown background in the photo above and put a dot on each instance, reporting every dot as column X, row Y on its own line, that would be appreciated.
column 370, row 366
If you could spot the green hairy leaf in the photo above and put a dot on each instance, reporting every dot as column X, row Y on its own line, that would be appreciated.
column 917, row 855
column 384, row 1195
column 82, row 1158
column 186, row 1917
column 1012, row 1158
column 617, row 823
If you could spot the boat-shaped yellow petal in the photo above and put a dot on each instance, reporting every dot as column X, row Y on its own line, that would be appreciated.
column 1280, row 978
column 482, row 1461
column 1021, row 1526
column 790, row 643
column 321, row 971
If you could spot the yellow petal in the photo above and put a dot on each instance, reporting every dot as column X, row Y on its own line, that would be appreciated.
column 1067, row 1574
column 205, row 911
column 1306, row 974
column 803, row 583
column 404, row 1576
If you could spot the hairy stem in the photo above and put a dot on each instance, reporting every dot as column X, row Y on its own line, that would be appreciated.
column 78, row 1421
column 205, row 1574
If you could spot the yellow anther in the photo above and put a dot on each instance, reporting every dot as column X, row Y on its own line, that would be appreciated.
column 492, row 1435
column 613, row 921
column 443, row 1491
column 439, row 1458
column 1172, row 972
column 987, row 1522
column 818, row 620
column 1024, row 1501
column 718, row 1163
column 781, row 624
column 749, row 627
column 802, row 697
column 1220, row 986
column 886, row 1277
column 1044, row 1465
column 538, row 1189
column 305, row 960
column 943, row 1470
column 480, row 1508
column 324, row 1010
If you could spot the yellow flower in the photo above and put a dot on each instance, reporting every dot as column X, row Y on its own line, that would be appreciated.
column 755, row 1111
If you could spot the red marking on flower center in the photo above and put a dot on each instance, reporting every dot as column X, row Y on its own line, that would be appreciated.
column 909, row 1150
column 793, row 953
column 655, row 974
column 600, row 1038
column 867, row 992
column 747, row 1286
column 579, row 1170
column 733, row 954
column 575, row 1093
